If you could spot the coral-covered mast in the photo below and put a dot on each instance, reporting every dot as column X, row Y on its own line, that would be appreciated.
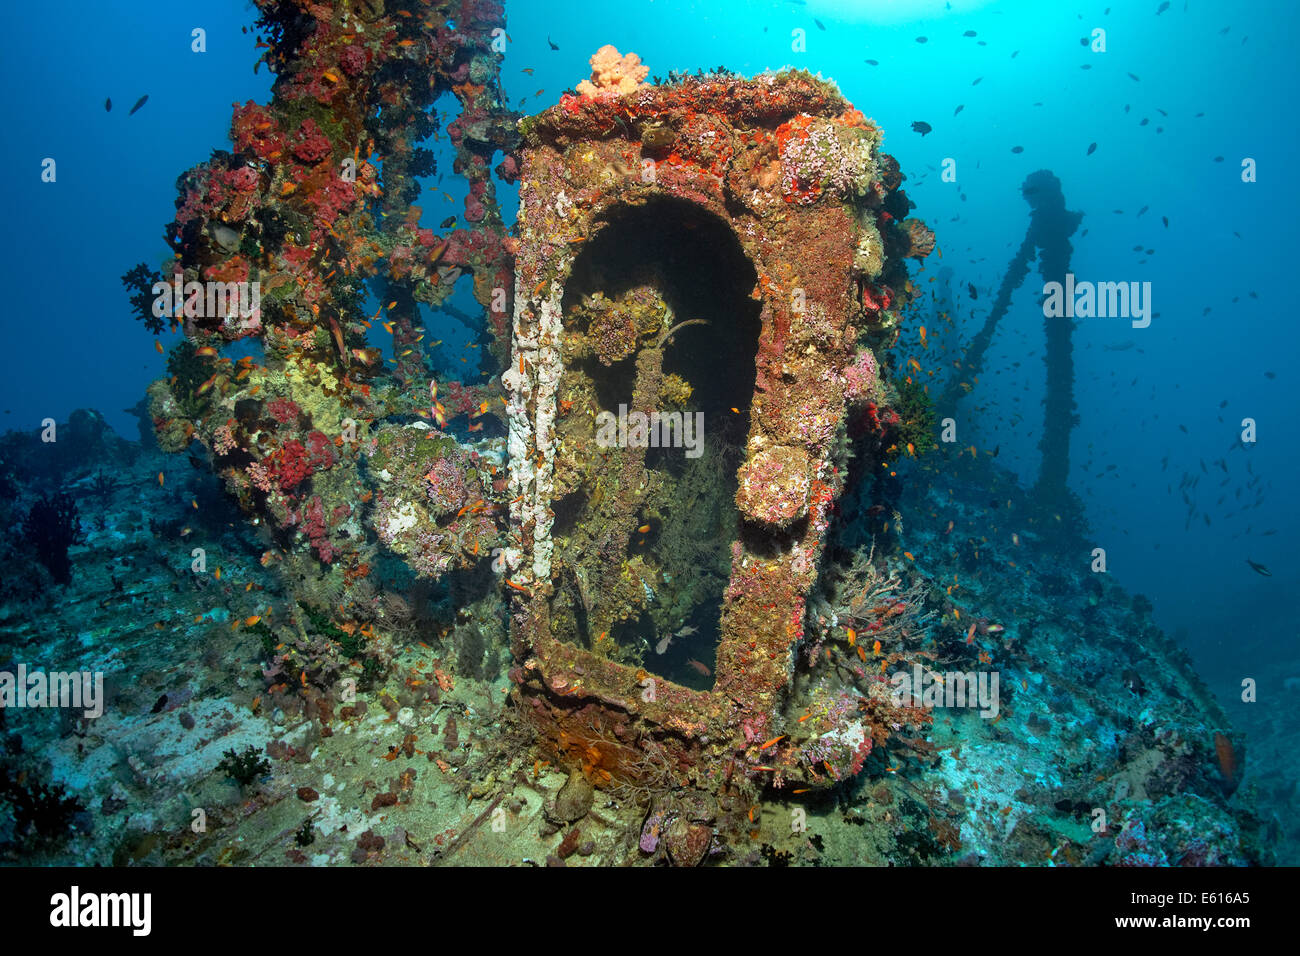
column 1050, row 228
column 314, row 199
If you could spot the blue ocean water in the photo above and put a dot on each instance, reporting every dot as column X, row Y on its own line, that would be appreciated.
column 1186, row 189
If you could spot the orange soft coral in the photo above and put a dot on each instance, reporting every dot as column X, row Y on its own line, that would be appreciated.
column 613, row 74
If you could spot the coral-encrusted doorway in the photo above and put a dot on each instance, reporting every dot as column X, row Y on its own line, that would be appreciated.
column 659, row 319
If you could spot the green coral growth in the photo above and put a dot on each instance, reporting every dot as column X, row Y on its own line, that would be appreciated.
column 139, row 283
column 917, row 420
column 264, row 633
column 244, row 767
column 39, row 812
column 189, row 372
column 321, row 624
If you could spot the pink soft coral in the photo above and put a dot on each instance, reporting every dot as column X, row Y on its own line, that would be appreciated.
column 312, row 145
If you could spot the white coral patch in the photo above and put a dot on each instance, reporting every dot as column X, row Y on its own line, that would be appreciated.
column 851, row 734
column 403, row 518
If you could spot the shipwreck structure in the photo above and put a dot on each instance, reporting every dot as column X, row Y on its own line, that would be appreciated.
column 714, row 259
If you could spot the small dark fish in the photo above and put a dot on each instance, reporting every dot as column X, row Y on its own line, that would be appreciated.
column 139, row 103
column 552, row 43
column 447, row 223
column 1017, row 149
column 1092, row 149
column 969, row 33
column 1270, row 374
column 1165, row 220
column 159, row 705
column 970, row 287
column 108, row 105
column 820, row 26
column 1183, row 429
column 922, row 127
column 1218, row 159
column 1259, row 568
column 976, row 81
column 1134, row 77
column 872, row 62
column 922, row 39
column 958, row 109
column 1162, row 8
column 1143, row 209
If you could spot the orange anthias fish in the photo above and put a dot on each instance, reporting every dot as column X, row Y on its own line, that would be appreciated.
column 702, row 668
column 338, row 339
column 1227, row 755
